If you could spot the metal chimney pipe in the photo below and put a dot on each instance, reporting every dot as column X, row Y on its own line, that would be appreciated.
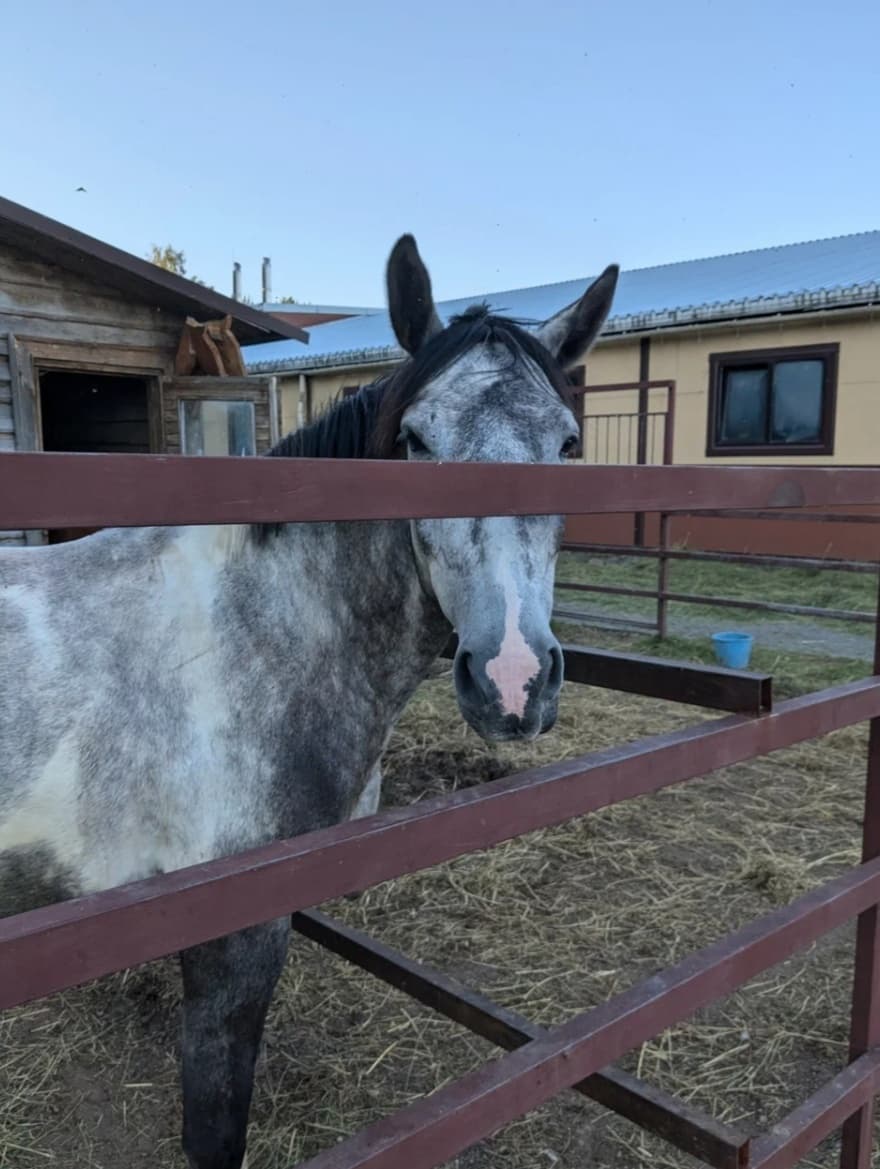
column 236, row 281
column 267, row 280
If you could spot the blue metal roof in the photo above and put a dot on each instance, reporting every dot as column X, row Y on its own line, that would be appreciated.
column 788, row 278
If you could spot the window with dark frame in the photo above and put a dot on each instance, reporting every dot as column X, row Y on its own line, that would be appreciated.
column 773, row 401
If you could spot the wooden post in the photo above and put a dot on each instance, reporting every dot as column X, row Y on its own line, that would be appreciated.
column 24, row 414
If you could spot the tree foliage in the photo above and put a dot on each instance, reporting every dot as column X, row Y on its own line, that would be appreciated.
column 168, row 258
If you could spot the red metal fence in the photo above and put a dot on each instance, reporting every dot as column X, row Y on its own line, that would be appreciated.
column 664, row 553
column 641, row 435
column 62, row 945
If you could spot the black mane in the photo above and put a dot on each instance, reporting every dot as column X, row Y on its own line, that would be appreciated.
column 342, row 431
column 366, row 425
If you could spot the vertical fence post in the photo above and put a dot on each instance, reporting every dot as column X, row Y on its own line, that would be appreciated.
column 663, row 578
column 669, row 426
column 858, row 1131
column 642, row 434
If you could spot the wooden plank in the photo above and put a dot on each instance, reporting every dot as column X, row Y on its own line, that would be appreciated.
column 24, row 402
column 20, row 267
column 60, row 490
column 245, row 389
column 126, row 357
column 154, row 415
column 50, row 328
column 5, row 374
column 58, row 303
column 274, row 412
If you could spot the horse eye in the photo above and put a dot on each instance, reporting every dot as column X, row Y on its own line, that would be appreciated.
column 570, row 446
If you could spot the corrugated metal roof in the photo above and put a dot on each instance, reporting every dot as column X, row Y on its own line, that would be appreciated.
column 294, row 306
column 789, row 278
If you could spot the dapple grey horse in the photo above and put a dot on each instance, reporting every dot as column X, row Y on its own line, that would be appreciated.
column 172, row 695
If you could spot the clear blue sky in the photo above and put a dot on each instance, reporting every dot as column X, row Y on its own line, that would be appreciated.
column 523, row 143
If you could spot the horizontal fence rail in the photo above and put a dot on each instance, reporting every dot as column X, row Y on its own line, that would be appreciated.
column 793, row 1137
column 477, row 1105
column 717, row 1144
column 758, row 559
column 721, row 602
column 665, row 555
column 62, row 945
column 713, row 687
column 64, row 490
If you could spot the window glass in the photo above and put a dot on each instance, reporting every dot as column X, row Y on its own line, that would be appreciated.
column 217, row 427
column 797, row 401
column 743, row 420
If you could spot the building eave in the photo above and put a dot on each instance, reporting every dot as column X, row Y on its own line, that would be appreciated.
column 787, row 304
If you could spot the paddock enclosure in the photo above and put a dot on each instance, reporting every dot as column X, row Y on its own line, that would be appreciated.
column 65, row 945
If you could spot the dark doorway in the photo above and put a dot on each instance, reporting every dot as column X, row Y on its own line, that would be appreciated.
column 94, row 412
column 98, row 413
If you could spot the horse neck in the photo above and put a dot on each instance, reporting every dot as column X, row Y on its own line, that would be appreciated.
column 358, row 588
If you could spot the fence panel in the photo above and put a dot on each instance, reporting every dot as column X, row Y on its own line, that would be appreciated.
column 62, row 945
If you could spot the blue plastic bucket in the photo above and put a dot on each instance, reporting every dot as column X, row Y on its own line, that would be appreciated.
column 733, row 649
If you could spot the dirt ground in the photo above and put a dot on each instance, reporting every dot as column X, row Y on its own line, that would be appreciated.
column 550, row 925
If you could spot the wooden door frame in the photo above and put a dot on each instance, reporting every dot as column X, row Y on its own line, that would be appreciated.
column 30, row 358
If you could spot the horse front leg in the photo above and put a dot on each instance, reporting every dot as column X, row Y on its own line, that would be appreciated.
column 368, row 801
column 227, row 988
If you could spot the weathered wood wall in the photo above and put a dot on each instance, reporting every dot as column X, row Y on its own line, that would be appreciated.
column 62, row 319
column 7, row 429
column 39, row 300
column 7, row 426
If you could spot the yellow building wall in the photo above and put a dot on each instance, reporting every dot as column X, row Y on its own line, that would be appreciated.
column 684, row 358
column 323, row 389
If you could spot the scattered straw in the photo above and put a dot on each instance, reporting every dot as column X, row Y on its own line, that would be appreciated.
column 549, row 925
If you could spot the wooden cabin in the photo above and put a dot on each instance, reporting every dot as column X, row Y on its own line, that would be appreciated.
column 103, row 351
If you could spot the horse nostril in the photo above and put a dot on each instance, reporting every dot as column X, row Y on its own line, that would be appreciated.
column 557, row 668
column 464, row 678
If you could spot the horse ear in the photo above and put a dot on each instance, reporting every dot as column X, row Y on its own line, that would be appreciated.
column 570, row 333
column 410, row 300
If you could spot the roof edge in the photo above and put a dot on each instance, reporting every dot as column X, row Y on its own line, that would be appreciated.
column 71, row 240
column 292, row 306
column 619, row 326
